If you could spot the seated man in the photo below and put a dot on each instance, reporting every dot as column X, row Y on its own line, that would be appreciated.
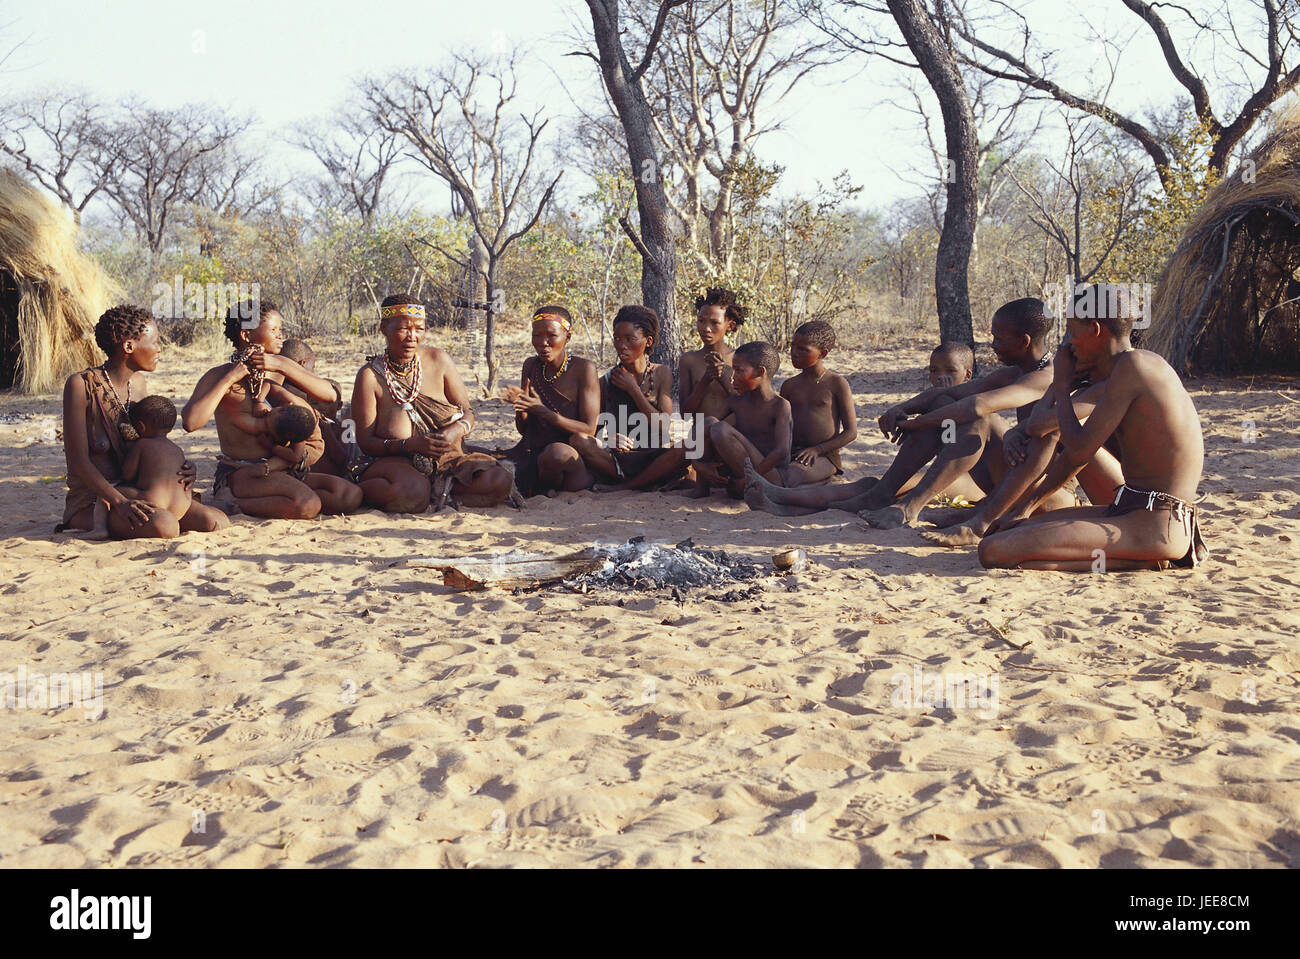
column 957, row 427
column 412, row 413
column 1140, row 401
column 1028, row 449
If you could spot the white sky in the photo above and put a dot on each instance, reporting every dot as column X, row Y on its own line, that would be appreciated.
column 290, row 60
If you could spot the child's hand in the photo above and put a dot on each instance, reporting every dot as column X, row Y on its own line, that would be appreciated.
column 888, row 421
column 943, row 380
column 713, row 368
column 809, row 456
column 622, row 444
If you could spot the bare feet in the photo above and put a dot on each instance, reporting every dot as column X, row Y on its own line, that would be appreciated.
column 756, row 495
column 961, row 536
column 890, row 517
column 949, row 517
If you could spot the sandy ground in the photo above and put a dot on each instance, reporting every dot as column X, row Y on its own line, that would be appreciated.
column 297, row 693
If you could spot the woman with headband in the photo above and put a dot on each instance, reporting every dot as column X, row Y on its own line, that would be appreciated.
column 558, row 396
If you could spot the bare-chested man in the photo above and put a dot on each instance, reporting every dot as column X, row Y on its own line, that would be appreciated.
column 236, row 393
column 412, row 413
column 1143, row 404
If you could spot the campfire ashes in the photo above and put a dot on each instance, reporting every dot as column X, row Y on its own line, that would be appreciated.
column 638, row 565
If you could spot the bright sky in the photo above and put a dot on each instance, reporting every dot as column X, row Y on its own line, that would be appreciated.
column 290, row 60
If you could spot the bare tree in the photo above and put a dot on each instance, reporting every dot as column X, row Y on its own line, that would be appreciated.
column 170, row 159
column 624, row 86
column 857, row 24
column 1061, row 206
column 358, row 159
column 1000, row 137
column 484, row 157
column 721, row 70
column 65, row 142
column 1278, row 70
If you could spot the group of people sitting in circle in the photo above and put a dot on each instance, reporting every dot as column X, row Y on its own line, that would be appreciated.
column 1115, row 418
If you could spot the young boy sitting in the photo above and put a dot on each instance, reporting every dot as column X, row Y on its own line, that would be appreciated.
column 152, row 463
column 821, row 403
column 758, row 425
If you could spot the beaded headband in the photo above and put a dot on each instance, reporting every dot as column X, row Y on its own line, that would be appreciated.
column 553, row 316
column 415, row 310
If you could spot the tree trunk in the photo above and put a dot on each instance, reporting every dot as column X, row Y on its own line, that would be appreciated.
column 490, row 326
column 659, row 267
column 956, row 239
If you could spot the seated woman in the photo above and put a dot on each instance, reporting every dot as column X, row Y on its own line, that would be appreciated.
column 238, row 394
column 96, row 431
column 412, row 413
column 558, row 395
column 636, row 399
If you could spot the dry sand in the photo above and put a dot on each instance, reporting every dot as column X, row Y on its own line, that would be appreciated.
column 295, row 693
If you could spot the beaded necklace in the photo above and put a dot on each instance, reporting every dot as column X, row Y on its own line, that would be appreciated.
column 558, row 373
column 124, row 427
column 403, row 381
column 255, row 378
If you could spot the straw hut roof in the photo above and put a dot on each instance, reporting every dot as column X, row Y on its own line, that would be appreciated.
column 54, row 294
column 1229, row 298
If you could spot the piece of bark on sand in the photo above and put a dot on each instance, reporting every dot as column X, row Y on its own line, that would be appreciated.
column 510, row 570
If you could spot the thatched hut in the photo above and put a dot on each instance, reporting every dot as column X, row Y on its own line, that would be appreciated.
column 50, row 293
column 1229, row 298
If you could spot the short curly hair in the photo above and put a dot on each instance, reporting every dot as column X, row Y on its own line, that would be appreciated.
column 716, row 296
column 156, row 412
column 120, row 324
column 240, row 312
column 819, row 333
column 292, row 423
column 760, row 353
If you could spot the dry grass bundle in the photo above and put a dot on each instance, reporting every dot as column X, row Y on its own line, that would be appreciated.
column 61, row 292
column 1220, row 303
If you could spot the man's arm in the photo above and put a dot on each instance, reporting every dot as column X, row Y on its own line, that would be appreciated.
column 1080, row 442
column 1026, row 389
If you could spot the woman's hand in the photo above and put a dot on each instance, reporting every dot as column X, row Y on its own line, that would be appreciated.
column 138, row 511
column 259, row 359
column 625, row 381
column 525, row 401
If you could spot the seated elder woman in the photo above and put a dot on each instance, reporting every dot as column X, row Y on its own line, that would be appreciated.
column 412, row 413
column 558, row 396
column 97, row 437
